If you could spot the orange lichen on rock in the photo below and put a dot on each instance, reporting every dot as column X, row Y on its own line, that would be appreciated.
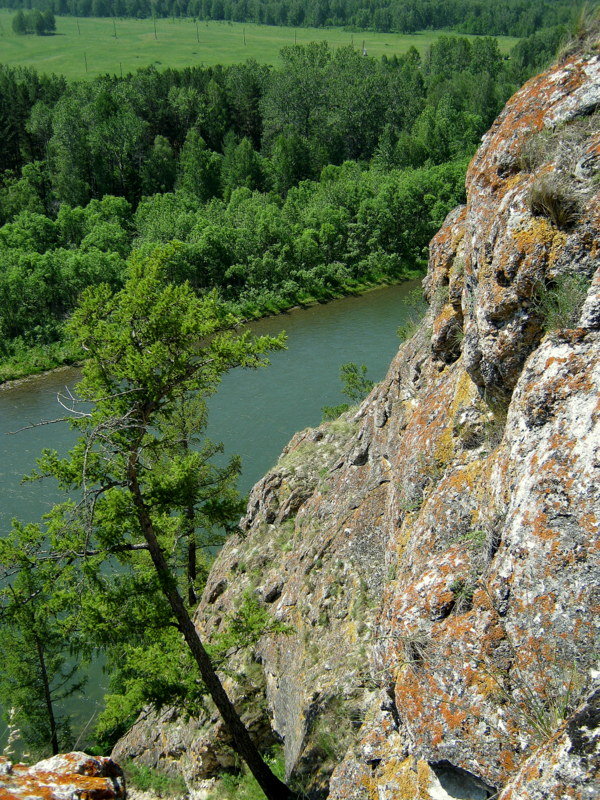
column 73, row 776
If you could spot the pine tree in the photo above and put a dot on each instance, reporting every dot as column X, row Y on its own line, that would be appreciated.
column 49, row 21
column 37, row 22
column 36, row 674
column 155, row 351
column 19, row 25
column 199, row 171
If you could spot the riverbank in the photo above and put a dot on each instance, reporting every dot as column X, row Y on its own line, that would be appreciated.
column 45, row 359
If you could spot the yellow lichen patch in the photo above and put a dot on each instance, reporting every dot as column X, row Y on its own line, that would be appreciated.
column 538, row 233
column 444, row 447
column 442, row 318
column 558, row 243
column 514, row 180
column 464, row 478
column 407, row 780
column 403, row 538
column 481, row 487
column 369, row 785
column 465, row 390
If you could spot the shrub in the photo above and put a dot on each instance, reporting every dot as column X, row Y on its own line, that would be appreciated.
column 333, row 412
column 408, row 329
column 536, row 150
column 355, row 385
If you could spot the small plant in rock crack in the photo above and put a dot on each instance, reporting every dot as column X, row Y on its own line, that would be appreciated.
column 553, row 197
column 463, row 590
column 408, row 502
column 415, row 306
column 441, row 296
column 408, row 328
column 457, row 336
column 475, row 538
column 416, row 648
column 559, row 303
column 542, row 698
column 536, row 150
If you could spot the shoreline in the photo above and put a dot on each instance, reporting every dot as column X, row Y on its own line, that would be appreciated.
column 13, row 383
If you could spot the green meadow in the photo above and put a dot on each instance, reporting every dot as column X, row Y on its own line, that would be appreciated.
column 94, row 46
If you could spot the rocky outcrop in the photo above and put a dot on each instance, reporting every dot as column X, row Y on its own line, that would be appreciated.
column 73, row 776
column 434, row 553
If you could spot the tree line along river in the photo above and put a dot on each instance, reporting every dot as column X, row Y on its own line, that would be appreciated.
column 254, row 413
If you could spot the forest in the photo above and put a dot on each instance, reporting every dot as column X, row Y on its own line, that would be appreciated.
column 280, row 185
column 509, row 17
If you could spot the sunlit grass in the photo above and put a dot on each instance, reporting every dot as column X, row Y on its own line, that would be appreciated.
column 89, row 47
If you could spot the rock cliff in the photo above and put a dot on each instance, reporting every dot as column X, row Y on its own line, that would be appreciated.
column 435, row 552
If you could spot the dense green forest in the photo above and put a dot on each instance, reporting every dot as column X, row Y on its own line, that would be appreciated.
column 509, row 17
column 323, row 176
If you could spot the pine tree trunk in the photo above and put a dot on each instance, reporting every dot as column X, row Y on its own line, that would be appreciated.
column 192, row 571
column 47, row 696
column 273, row 788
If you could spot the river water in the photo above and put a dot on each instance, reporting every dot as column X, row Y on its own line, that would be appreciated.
column 254, row 413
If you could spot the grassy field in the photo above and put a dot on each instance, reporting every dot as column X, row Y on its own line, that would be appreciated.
column 89, row 47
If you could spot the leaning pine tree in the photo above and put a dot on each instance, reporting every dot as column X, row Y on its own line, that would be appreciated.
column 152, row 350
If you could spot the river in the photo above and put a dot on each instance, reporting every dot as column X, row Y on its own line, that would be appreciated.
column 254, row 413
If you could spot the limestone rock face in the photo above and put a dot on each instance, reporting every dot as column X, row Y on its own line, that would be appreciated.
column 66, row 777
column 541, row 142
column 434, row 553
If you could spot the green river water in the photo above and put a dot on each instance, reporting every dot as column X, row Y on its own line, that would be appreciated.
column 254, row 413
